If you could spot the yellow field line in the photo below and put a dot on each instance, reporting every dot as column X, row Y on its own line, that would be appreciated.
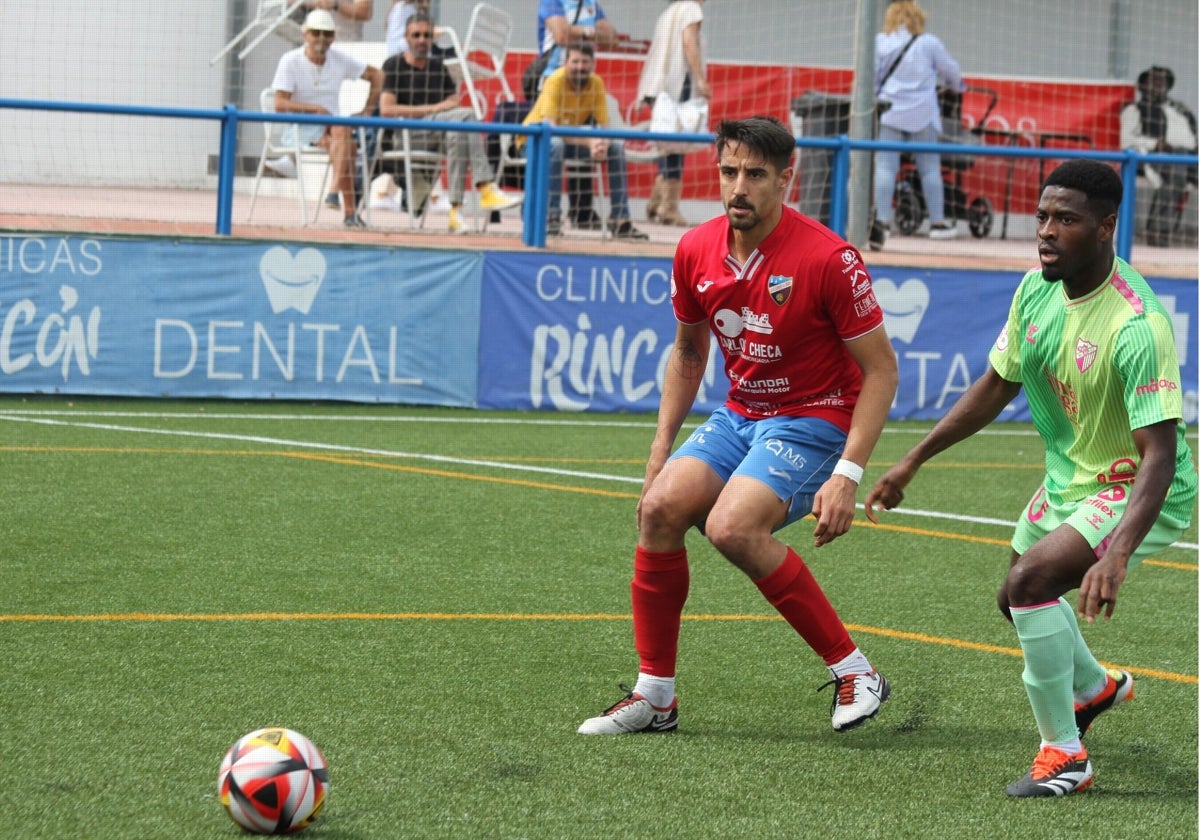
column 904, row 529
column 924, row 532
column 540, row 485
column 903, row 635
column 520, row 482
column 137, row 450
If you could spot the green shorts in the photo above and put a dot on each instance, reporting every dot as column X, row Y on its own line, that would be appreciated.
column 1095, row 518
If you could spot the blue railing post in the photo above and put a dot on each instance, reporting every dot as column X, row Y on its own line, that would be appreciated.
column 838, row 204
column 537, row 186
column 1126, row 215
column 226, row 167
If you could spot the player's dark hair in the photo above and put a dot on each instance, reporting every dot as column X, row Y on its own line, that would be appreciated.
column 764, row 135
column 1098, row 181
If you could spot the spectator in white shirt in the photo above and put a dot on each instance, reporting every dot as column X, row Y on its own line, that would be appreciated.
column 910, row 64
column 1155, row 123
column 308, row 80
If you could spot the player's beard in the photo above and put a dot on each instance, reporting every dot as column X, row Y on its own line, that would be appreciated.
column 746, row 222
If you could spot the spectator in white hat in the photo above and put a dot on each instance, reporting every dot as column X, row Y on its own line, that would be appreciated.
column 349, row 15
column 308, row 80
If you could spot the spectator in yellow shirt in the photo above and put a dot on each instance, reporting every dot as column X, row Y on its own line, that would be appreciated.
column 574, row 95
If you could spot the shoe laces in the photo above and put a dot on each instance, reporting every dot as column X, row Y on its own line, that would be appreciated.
column 844, row 689
column 1051, row 761
column 627, row 700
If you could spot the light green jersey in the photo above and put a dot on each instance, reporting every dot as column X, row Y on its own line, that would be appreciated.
column 1094, row 369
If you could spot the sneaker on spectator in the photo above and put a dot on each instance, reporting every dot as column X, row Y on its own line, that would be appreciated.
column 856, row 698
column 878, row 236
column 355, row 221
column 492, row 197
column 1054, row 773
column 943, row 230
column 333, row 201
column 455, row 224
column 554, row 225
column 588, row 220
column 624, row 229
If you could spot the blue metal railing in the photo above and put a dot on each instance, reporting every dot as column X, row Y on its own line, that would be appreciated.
column 537, row 165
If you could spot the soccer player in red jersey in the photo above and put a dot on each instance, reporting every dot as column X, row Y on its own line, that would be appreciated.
column 812, row 377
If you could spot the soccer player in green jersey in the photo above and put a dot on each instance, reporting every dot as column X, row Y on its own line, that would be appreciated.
column 1093, row 348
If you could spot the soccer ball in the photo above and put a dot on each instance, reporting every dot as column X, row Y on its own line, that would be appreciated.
column 273, row 781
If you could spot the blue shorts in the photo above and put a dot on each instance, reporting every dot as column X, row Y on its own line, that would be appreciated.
column 309, row 134
column 793, row 456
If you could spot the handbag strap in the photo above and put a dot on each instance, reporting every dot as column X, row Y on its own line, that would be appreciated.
column 574, row 20
column 892, row 68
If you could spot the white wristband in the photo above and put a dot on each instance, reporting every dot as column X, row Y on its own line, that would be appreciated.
column 849, row 469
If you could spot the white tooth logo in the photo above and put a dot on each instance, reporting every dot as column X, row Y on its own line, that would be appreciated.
column 903, row 307
column 292, row 282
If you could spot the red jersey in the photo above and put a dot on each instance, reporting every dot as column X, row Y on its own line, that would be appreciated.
column 783, row 318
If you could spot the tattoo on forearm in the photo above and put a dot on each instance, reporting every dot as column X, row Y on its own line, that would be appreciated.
column 688, row 360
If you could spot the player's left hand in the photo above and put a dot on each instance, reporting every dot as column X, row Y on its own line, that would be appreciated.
column 1099, row 587
column 833, row 506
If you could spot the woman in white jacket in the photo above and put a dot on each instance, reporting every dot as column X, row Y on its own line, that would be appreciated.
column 910, row 63
column 675, row 67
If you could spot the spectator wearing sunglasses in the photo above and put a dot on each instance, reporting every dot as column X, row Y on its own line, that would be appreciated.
column 308, row 80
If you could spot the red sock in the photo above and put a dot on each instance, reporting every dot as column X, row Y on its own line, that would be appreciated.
column 794, row 591
column 659, row 590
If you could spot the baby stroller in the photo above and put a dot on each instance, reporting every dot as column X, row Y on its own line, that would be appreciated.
column 910, row 210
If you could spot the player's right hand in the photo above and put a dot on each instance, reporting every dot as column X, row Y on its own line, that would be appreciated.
column 888, row 490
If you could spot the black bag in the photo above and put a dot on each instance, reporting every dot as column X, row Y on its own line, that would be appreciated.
column 532, row 76
column 882, row 105
column 531, row 79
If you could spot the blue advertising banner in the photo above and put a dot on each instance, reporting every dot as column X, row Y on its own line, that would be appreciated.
column 943, row 323
column 570, row 333
column 534, row 331
column 242, row 320
column 591, row 334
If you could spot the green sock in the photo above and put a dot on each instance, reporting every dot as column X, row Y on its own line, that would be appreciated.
column 1048, row 644
column 1088, row 672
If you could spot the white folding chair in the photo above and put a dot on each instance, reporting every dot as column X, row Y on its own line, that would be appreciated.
column 275, row 149
column 488, row 36
column 373, row 53
column 412, row 151
column 513, row 158
column 595, row 169
column 272, row 16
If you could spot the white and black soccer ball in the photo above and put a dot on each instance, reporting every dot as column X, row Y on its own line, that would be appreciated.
column 273, row 781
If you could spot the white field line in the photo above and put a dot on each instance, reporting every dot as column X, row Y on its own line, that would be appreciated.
column 369, row 418
column 38, row 418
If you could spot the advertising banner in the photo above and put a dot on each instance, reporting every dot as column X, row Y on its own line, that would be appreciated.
column 570, row 333
column 527, row 331
column 241, row 320
column 592, row 334
column 943, row 323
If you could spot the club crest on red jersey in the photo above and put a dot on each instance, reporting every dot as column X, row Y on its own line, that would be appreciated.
column 780, row 288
